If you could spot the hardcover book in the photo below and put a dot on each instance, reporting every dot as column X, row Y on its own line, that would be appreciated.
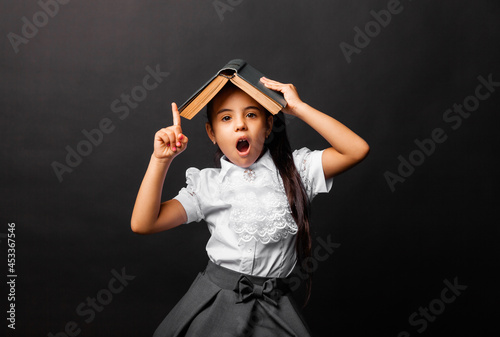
column 245, row 77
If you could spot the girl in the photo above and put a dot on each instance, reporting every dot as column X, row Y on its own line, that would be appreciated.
column 256, row 207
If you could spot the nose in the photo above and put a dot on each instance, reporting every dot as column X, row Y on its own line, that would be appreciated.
column 240, row 124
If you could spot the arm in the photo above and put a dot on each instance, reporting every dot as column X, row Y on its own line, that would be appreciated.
column 347, row 148
column 149, row 214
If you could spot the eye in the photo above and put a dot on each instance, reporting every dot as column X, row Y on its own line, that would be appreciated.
column 251, row 115
column 226, row 118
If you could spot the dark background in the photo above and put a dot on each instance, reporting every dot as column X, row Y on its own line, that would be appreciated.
column 396, row 248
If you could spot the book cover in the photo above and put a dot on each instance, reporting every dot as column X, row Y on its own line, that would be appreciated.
column 244, row 76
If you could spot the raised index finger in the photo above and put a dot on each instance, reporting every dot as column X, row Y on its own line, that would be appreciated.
column 176, row 115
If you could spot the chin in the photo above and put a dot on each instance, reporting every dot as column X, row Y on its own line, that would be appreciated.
column 243, row 162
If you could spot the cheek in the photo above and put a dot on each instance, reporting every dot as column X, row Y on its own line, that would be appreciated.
column 223, row 137
column 218, row 131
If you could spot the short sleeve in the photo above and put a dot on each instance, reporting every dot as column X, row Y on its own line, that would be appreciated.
column 310, row 166
column 189, row 196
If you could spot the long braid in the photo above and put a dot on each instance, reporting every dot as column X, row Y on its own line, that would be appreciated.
column 281, row 153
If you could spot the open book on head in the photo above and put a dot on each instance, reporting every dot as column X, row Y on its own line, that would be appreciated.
column 245, row 77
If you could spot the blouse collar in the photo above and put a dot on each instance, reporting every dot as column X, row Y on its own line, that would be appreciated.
column 266, row 160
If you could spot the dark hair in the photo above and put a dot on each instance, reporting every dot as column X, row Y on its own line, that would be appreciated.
column 281, row 152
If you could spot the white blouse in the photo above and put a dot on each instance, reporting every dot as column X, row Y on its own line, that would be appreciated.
column 247, row 211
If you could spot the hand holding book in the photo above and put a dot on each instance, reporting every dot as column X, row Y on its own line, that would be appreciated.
column 289, row 92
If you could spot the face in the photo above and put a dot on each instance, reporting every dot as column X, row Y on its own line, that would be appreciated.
column 239, row 125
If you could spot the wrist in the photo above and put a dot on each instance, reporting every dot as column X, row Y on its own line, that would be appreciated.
column 299, row 110
column 165, row 161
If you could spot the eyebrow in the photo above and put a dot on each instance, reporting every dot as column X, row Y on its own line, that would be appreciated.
column 246, row 108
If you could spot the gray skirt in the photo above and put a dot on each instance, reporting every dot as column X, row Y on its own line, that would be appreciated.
column 225, row 303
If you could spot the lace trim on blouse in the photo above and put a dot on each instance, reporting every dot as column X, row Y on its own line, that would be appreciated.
column 259, row 207
column 265, row 218
column 303, row 172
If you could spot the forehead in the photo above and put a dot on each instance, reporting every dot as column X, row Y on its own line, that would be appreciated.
column 233, row 98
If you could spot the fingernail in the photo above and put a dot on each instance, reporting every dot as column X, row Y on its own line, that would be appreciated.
column 178, row 144
column 180, row 136
column 173, row 148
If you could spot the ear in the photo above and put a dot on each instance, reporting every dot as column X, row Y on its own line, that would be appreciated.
column 269, row 122
column 210, row 132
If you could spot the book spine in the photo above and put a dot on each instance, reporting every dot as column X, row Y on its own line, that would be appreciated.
column 231, row 68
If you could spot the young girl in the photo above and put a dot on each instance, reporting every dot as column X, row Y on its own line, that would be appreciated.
column 256, row 208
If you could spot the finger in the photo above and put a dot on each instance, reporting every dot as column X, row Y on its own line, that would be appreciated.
column 266, row 79
column 176, row 115
column 158, row 135
column 183, row 139
column 269, row 81
column 274, row 86
column 162, row 137
column 171, row 140
column 179, row 139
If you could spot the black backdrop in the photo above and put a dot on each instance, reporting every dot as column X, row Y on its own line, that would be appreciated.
column 389, row 70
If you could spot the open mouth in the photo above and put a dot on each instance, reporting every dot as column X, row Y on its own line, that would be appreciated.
column 243, row 146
